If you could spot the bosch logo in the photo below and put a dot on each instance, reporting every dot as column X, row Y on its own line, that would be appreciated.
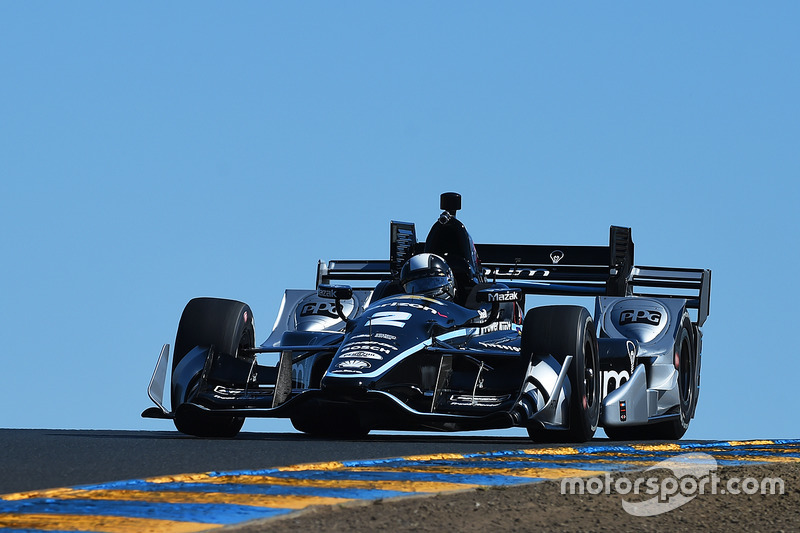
column 639, row 316
column 370, row 346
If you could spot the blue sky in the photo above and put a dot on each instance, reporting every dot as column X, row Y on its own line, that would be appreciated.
column 153, row 152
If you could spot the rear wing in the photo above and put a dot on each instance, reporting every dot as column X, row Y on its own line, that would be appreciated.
column 539, row 269
column 692, row 284
column 594, row 271
column 574, row 270
column 362, row 275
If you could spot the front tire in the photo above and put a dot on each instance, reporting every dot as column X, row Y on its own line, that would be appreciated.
column 228, row 326
column 562, row 330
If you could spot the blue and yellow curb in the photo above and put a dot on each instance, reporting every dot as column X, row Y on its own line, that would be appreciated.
column 198, row 502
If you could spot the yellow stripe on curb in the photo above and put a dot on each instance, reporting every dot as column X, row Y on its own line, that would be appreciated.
column 106, row 524
column 765, row 459
column 181, row 478
column 336, row 465
column 333, row 465
column 545, row 473
column 750, row 442
column 640, row 460
column 282, row 501
column 49, row 493
column 551, row 451
column 435, row 457
column 669, row 447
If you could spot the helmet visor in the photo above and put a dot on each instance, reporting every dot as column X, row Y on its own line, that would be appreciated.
column 427, row 285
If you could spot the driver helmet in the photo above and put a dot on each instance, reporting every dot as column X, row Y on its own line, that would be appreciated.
column 428, row 275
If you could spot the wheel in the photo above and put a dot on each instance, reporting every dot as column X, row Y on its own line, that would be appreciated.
column 686, row 359
column 226, row 324
column 562, row 330
column 687, row 389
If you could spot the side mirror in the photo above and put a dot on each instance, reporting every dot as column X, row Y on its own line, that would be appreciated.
column 335, row 292
column 338, row 293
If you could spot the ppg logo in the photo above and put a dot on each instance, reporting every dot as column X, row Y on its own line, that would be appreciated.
column 319, row 308
column 639, row 316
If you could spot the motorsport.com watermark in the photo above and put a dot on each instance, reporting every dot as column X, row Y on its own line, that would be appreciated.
column 693, row 474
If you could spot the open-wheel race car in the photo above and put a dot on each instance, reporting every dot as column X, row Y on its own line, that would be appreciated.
column 437, row 337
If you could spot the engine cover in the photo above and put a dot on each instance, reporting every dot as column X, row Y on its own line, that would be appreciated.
column 641, row 319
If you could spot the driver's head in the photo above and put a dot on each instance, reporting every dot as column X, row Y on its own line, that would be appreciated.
column 428, row 275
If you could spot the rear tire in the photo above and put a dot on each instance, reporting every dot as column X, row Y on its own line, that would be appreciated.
column 228, row 326
column 562, row 330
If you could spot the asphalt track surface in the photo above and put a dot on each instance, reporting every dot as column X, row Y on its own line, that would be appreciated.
column 36, row 459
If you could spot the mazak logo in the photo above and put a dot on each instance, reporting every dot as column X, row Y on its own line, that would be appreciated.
column 326, row 293
column 503, row 296
column 690, row 475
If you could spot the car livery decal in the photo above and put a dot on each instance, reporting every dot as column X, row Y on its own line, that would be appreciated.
column 401, row 356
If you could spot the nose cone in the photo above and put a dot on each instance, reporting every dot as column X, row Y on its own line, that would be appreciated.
column 345, row 385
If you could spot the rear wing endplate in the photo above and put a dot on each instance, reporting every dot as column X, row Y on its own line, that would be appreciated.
column 361, row 275
column 691, row 284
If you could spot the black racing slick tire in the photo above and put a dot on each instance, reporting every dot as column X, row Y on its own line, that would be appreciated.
column 562, row 330
column 687, row 387
column 228, row 326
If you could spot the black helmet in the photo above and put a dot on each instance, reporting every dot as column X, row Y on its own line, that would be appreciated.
column 428, row 275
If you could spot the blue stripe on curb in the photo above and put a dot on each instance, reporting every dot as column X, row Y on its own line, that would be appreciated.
column 181, row 512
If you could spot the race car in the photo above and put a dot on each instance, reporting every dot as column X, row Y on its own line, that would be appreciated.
column 446, row 335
